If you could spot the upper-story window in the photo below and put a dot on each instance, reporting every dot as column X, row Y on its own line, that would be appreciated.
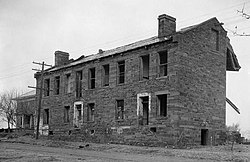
column 121, row 72
column 46, row 87
column 163, row 63
column 215, row 39
column 57, row 85
column 92, row 78
column 105, row 75
column 79, row 83
column 144, row 70
column 68, row 83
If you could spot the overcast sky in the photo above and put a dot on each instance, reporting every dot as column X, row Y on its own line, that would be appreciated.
column 32, row 30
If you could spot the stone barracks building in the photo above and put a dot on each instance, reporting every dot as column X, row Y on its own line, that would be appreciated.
column 166, row 90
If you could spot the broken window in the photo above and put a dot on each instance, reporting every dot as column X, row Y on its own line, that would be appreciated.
column 46, row 116
column 163, row 66
column 215, row 39
column 46, row 87
column 79, row 83
column 66, row 114
column 92, row 78
column 57, row 85
column 90, row 112
column 144, row 67
column 120, row 109
column 162, row 105
column 105, row 79
column 121, row 72
column 67, row 84
column 78, row 113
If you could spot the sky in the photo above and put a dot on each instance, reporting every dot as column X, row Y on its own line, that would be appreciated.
column 32, row 30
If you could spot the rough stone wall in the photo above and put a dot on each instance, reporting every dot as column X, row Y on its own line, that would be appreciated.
column 202, row 78
column 195, row 86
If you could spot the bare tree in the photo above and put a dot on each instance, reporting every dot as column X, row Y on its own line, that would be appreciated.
column 233, row 132
column 8, row 107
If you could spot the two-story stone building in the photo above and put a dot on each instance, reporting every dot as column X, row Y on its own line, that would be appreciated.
column 166, row 90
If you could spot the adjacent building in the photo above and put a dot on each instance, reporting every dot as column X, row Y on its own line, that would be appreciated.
column 26, row 108
column 169, row 89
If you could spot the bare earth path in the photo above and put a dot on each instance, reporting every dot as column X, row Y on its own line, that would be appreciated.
column 16, row 152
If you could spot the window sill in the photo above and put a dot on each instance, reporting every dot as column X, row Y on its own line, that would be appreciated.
column 163, row 77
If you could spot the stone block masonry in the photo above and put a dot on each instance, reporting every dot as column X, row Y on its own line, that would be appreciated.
column 165, row 90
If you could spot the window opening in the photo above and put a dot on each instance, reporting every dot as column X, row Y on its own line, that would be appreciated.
column 92, row 78
column 162, row 105
column 145, row 67
column 121, row 72
column 105, row 75
column 120, row 109
column 163, row 63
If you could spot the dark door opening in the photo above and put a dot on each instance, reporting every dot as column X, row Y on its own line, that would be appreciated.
column 145, row 115
column 204, row 136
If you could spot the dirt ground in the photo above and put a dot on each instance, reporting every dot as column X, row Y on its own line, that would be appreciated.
column 26, row 148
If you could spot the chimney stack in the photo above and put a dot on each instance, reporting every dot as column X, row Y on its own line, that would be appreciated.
column 166, row 25
column 61, row 58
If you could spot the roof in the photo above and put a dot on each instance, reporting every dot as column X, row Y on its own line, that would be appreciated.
column 131, row 46
column 111, row 52
column 29, row 94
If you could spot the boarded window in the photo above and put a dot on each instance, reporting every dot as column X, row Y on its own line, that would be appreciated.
column 121, row 72
column 162, row 105
column 215, row 39
column 92, row 78
column 163, row 64
column 119, row 109
column 66, row 114
column 144, row 67
column 67, row 83
column 46, row 116
column 57, row 85
column 46, row 87
column 105, row 79
column 79, row 83
column 90, row 112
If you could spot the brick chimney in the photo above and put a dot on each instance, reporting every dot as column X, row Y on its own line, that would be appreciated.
column 166, row 25
column 61, row 58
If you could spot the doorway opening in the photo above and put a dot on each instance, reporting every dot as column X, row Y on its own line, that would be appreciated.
column 204, row 137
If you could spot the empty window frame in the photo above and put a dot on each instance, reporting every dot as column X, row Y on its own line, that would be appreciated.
column 46, row 116
column 121, row 72
column 46, row 87
column 215, row 39
column 57, row 85
column 163, row 63
column 92, row 78
column 66, row 114
column 67, row 83
column 79, row 83
column 105, row 75
column 162, row 105
column 119, row 109
column 144, row 67
column 90, row 112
